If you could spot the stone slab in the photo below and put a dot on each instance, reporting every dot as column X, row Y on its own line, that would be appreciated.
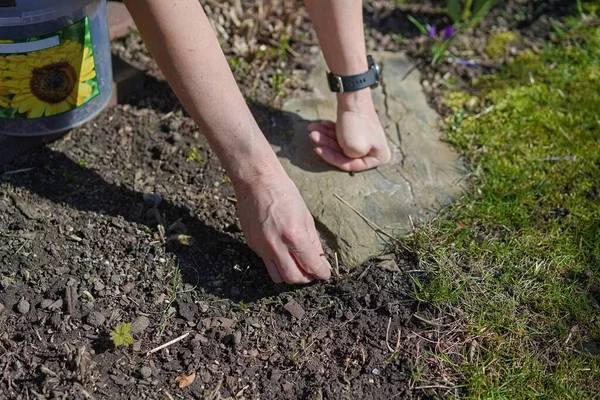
column 423, row 176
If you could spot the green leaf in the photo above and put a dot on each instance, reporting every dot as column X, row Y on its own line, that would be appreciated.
column 478, row 5
column 121, row 336
column 193, row 155
column 453, row 9
column 418, row 25
column 483, row 11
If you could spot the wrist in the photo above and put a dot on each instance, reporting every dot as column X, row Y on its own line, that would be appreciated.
column 359, row 100
column 255, row 170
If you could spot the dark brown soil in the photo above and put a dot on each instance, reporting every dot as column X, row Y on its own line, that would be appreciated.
column 81, row 251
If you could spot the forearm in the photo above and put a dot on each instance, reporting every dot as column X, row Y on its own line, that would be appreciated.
column 183, row 44
column 339, row 25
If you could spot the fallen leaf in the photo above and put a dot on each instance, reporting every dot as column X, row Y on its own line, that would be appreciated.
column 387, row 262
column 185, row 380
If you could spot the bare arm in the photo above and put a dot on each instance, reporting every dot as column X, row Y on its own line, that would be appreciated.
column 273, row 215
column 180, row 38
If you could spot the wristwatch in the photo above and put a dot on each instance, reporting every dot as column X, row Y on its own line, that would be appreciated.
column 352, row 83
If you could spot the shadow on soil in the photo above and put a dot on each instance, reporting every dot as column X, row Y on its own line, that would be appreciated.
column 207, row 264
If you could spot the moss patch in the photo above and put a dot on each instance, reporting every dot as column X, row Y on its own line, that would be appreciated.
column 496, row 46
column 521, row 255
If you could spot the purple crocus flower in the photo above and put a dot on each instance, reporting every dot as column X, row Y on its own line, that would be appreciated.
column 466, row 63
column 448, row 32
column 432, row 31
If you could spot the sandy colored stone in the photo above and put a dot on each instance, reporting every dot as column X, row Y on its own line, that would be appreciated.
column 422, row 177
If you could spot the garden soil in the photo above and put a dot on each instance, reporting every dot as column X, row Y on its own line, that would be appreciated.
column 131, row 219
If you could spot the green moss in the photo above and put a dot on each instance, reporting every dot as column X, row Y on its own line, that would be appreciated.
column 521, row 255
column 496, row 46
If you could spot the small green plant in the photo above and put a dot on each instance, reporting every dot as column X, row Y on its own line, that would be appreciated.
column 121, row 336
column 473, row 11
column 82, row 164
column 193, row 155
column 243, row 306
column 293, row 357
column 277, row 82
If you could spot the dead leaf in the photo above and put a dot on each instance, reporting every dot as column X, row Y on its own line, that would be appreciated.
column 185, row 380
column 388, row 263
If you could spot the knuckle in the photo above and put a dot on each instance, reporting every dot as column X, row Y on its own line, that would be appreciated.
column 357, row 149
column 291, row 232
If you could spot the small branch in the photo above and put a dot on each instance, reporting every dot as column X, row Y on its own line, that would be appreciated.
column 172, row 342
column 18, row 171
column 371, row 224
column 387, row 338
column 432, row 323
column 432, row 387
column 168, row 395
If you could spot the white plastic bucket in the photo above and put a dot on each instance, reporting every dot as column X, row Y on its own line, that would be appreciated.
column 55, row 65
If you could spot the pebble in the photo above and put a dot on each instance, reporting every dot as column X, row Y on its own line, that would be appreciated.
column 137, row 346
column 275, row 375
column 1, row 308
column 57, row 305
column 176, row 137
column 23, row 306
column 288, row 387
column 140, row 324
column 237, row 338
column 294, row 309
column 46, row 303
column 146, row 372
column 98, row 286
column 96, row 319
column 152, row 199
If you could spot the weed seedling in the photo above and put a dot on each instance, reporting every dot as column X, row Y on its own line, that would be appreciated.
column 121, row 336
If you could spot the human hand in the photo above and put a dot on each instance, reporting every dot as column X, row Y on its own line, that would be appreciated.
column 355, row 143
column 281, row 230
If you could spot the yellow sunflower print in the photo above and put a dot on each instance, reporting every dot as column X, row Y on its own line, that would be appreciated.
column 50, row 81
column 4, row 102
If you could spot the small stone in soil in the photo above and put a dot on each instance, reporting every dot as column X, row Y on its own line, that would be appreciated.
column 96, row 319
column 139, row 325
column 137, row 346
column 288, row 387
column 152, row 199
column 237, row 338
column 187, row 310
column 56, row 305
column 294, row 309
column 275, row 375
column 1, row 308
column 46, row 303
column 146, row 372
column 23, row 306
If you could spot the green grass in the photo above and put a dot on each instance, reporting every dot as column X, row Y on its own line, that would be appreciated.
column 519, row 257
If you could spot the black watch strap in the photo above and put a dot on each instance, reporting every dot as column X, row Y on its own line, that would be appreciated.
column 356, row 82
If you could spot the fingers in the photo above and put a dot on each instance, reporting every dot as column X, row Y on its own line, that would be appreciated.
column 345, row 163
column 273, row 271
column 289, row 270
column 321, row 139
column 326, row 128
column 309, row 257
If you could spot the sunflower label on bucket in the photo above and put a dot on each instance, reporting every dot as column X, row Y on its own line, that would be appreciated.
column 47, row 75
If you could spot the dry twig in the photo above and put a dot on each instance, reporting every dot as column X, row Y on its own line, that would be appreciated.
column 172, row 342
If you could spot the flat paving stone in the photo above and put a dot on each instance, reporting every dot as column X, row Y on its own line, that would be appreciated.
column 423, row 176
